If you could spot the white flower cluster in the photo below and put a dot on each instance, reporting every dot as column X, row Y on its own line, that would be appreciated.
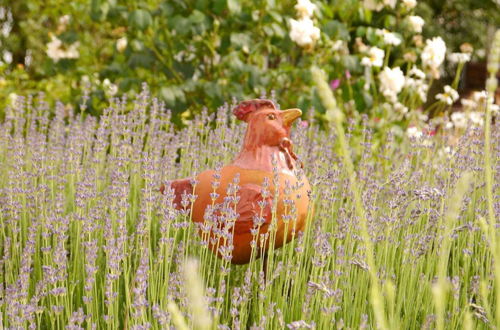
column 473, row 113
column 64, row 20
column 7, row 57
column 400, row 107
column 302, row 31
column 389, row 38
column 416, row 82
column 392, row 82
column 410, row 4
column 414, row 132
column 460, row 120
column 109, row 88
column 338, row 46
column 433, row 55
column 57, row 51
column 94, row 82
column 449, row 96
column 478, row 102
column 305, row 8
column 121, row 44
column 416, row 23
column 459, row 57
column 378, row 5
column 375, row 57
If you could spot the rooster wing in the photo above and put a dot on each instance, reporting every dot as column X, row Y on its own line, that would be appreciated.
column 249, row 210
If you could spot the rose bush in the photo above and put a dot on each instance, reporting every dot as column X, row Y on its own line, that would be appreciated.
column 196, row 54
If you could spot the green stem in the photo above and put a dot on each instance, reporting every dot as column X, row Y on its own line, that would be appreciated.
column 491, row 86
column 328, row 100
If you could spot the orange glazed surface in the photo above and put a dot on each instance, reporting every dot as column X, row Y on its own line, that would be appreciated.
column 250, row 183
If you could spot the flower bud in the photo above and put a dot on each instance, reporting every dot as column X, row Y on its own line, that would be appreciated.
column 491, row 84
column 494, row 58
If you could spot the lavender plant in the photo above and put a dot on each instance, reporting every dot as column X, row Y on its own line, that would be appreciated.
column 87, row 241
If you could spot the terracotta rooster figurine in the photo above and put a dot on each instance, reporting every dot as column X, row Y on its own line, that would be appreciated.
column 246, row 186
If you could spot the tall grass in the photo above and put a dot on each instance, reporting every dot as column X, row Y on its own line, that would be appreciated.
column 88, row 242
column 336, row 116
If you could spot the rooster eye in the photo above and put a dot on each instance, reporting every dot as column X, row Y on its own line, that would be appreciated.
column 271, row 116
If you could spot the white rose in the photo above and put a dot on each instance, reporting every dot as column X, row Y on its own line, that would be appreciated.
column 13, row 98
column 392, row 82
column 417, row 73
column 416, row 81
column 389, row 37
column 433, row 55
column 459, row 57
column 305, row 8
column 468, row 104
column 410, row 4
column 449, row 96
column 459, row 120
column 303, row 32
column 72, row 51
column 495, row 109
column 480, row 96
column 121, row 44
column 414, row 133
column 7, row 57
column 85, row 80
column 411, row 82
column 422, row 91
column 337, row 45
column 481, row 53
column 434, row 52
column 377, row 5
column 390, row 3
column 375, row 57
column 112, row 89
column 476, row 118
column 64, row 20
column 449, row 150
column 54, row 50
column 416, row 23
column 373, row 5
column 400, row 108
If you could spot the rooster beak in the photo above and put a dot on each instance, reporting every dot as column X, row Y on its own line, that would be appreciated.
column 290, row 115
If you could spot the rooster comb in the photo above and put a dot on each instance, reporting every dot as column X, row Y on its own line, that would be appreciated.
column 244, row 108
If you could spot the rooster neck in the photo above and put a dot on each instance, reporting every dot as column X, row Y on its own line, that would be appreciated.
column 260, row 158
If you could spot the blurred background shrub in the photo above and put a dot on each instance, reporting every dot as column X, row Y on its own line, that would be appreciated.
column 201, row 53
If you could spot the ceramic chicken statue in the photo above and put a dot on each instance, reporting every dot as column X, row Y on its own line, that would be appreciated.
column 246, row 186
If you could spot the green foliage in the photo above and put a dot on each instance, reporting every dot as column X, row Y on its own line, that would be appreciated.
column 200, row 53
column 459, row 21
